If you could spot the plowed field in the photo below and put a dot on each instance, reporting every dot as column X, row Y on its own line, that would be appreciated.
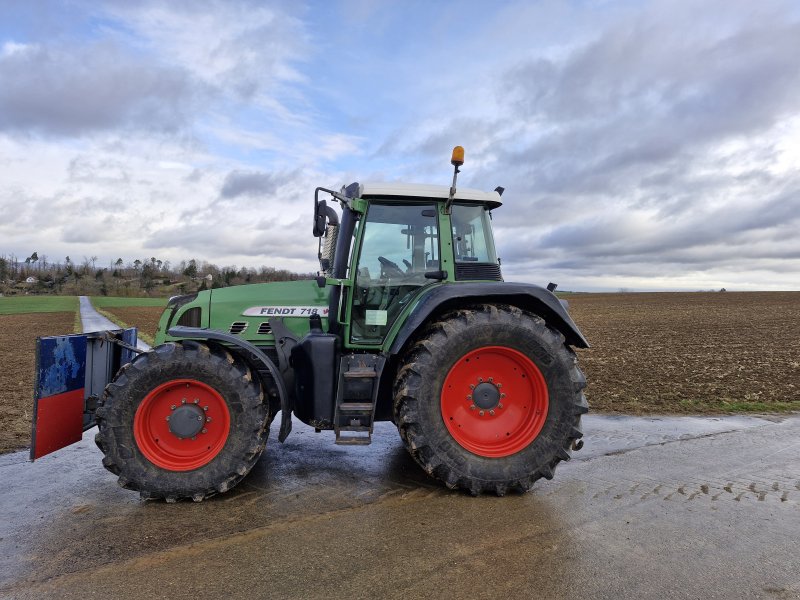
column 693, row 352
column 18, row 335
column 143, row 317
column 651, row 353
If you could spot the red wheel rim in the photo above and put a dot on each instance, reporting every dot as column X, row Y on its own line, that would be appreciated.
column 509, row 408
column 194, row 400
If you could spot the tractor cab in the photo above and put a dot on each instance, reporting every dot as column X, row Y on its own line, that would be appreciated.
column 392, row 242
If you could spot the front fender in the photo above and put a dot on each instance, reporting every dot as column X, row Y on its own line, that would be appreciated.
column 253, row 351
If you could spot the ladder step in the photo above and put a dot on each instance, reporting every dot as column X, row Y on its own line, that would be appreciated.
column 363, row 428
column 351, row 440
column 365, row 407
column 365, row 373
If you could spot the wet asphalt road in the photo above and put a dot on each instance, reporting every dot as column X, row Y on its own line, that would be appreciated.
column 94, row 321
column 650, row 508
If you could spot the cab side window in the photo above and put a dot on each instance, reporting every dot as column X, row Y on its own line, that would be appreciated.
column 400, row 244
column 472, row 235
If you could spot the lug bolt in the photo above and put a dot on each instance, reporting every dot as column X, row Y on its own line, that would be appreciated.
column 491, row 379
column 500, row 405
column 473, row 407
column 197, row 400
column 481, row 413
column 480, row 379
column 194, row 437
column 205, row 408
column 183, row 401
column 208, row 419
column 204, row 430
column 173, row 407
column 199, row 418
column 472, row 386
column 499, row 385
column 469, row 397
column 491, row 412
column 502, row 395
column 167, row 417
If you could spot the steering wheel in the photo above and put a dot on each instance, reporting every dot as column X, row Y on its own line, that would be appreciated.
column 390, row 268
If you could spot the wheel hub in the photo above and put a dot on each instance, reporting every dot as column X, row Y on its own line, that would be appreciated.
column 486, row 396
column 187, row 421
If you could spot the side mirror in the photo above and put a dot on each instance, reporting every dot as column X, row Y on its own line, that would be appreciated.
column 320, row 211
column 324, row 215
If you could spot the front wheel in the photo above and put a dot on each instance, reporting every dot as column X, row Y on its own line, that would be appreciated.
column 489, row 399
column 183, row 421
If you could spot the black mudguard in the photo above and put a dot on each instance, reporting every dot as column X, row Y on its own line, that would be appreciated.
column 527, row 296
column 251, row 353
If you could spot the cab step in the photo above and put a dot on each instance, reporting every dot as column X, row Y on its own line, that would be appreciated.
column 356, row 398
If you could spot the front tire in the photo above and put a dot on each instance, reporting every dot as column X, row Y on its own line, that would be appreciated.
column 489, row 399
column 186, row 420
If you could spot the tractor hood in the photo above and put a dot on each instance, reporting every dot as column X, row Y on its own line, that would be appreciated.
column 246, row 310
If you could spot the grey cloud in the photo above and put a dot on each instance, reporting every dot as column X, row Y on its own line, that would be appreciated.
column 276, row 242
column 254, row 183
column 629, row 172
column 637, row 97
column 82, row 168
column 241, row 47
column 65, row 90
column 617, row 234
column 250, row 183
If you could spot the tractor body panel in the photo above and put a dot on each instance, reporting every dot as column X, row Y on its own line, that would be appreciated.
column 246, row 310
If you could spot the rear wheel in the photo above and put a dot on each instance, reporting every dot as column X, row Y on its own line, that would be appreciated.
column 489, row 399
column 183, row 421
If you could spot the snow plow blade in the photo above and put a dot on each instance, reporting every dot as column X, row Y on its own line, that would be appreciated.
column 71, row 373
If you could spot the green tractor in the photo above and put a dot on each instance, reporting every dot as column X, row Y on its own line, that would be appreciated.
column 409, row 321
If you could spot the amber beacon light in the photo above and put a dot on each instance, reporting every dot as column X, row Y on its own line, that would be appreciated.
column 458, row 156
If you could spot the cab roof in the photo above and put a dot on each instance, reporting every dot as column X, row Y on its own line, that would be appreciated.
column 426, row 192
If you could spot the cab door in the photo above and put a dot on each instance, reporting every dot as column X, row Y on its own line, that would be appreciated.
column 399, row 244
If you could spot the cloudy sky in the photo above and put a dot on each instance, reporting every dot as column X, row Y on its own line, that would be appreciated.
column 642, row 145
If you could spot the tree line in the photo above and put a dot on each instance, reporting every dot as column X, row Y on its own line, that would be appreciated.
column 38, row 274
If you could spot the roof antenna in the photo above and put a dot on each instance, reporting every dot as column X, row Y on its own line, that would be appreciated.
column 457, row 160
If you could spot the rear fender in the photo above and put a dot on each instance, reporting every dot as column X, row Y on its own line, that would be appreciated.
column 71, row 373
column 440, row 298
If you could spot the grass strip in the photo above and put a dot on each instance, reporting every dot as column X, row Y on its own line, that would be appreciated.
column 17, row 305
column 77, row 326
column 119, row 301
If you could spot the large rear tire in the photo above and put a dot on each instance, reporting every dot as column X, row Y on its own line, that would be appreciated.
column 186, row 420
column 489, row 399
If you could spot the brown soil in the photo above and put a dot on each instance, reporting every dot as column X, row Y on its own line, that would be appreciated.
column 651, row 353
column 693, row 352
column 144, row 317
column 18, row 335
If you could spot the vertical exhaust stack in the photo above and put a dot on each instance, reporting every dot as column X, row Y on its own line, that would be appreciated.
column 456, row 160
